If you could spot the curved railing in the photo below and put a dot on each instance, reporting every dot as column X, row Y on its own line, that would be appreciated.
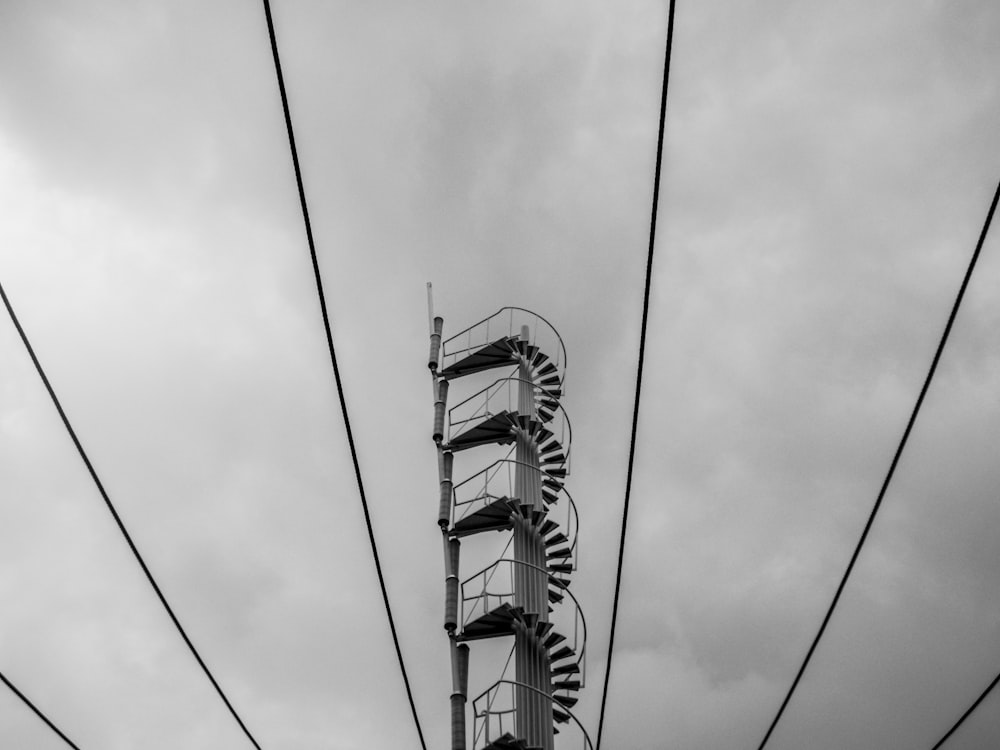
column 502, row 396
column 507, row 322
column 490, row 696
column 497, row 481
column 495, row 722
column 493, row 586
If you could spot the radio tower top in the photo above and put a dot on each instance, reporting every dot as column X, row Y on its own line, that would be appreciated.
column 525, row 596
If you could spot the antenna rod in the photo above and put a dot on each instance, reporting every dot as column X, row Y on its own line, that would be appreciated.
column 430, row 308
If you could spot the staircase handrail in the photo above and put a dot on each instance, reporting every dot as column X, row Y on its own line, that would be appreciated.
column 560, row 359
column 566, row 428
column 510, row 405
column 516, row 684
column 572, row 514
column 579, row 621
column 489, row 702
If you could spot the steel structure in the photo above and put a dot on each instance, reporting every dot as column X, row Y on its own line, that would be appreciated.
column 525, row 596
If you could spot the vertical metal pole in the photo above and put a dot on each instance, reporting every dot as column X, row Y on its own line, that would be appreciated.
column 439, row 407
column 446, row 461
column 430, row 307
column 451, row 552
column 459, row 652
column 459, row 693
column 437, row 325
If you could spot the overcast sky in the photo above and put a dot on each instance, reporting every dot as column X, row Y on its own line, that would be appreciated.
column 827, row 170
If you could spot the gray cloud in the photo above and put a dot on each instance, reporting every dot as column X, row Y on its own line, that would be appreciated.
column 827, row 169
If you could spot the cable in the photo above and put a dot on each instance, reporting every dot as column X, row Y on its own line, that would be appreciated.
column 968, row 713
column 336, row 368
column 892, row 466
column 638, row 376
column 118, row 520
column 38, row 713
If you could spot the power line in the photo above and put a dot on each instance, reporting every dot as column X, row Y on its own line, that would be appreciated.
column 336, row 368
column 968, row 713
column 638, row 375
column 118, row 520
column 892, row 466
column 37, row 711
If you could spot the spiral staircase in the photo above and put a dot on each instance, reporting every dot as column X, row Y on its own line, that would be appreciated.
column 525, row 596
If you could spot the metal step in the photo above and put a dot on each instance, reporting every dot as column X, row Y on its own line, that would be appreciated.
column 506, row 741
column 499, row 353
column 566, row 685
column 567, row 700
column 542, row 629
column 548, row 403
column 498, row 428
column 548, row 526
column 541, row 435
column 492, row 517
column 554, row 638
column 572, row 668
column 561, row 653
column 556, row 539
column 547, row 369
column 496, row 622
column 547, row 447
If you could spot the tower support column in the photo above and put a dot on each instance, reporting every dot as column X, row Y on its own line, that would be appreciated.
column 534, row 711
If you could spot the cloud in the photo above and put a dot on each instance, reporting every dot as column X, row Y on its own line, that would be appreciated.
column 826, row 173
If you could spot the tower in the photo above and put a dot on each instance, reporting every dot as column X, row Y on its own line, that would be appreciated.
column 519, row 423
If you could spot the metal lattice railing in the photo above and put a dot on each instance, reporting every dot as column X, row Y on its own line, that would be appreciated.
column 494, row 586
column 507, row 323
column 497, row 481
column 495, row 711
column 501, row 397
